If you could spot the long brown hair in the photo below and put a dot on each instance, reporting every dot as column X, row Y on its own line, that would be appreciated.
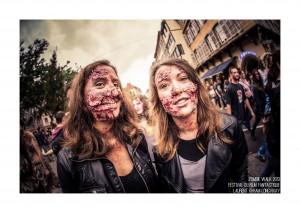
column 258, row 83
column 208, row 118
column 85, row 140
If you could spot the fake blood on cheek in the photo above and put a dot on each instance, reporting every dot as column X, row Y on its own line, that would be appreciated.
column 169, row 102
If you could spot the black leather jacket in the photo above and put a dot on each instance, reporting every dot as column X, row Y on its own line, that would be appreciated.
column 225, row 163
column 99, row 175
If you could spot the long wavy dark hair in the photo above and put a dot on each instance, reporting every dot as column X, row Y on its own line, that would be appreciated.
column 85, row 140
column 274, row 70
column 257, row 82
column 208, row 117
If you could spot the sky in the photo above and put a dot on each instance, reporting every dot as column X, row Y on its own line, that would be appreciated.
column 128, row 44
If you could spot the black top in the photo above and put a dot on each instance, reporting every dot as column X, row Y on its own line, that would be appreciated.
column 273, row 135
column 133, row 182
column 188, row 149
column 235, row 97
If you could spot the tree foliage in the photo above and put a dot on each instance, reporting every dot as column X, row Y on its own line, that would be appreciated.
column 41, row 83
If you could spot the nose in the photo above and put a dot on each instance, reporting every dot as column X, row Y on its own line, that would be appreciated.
column 176, row 90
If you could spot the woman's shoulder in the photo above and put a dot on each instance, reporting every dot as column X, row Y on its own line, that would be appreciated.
column 65, row 155
column 228, row 121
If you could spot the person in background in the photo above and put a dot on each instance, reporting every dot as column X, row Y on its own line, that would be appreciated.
column 263, row 148
column 199, row 149
column 58, row 133
column 259, row 100
column 219, row 94
column 29, row 183
column 212, row 95
column 105, row 150
column 248, row 92
column 41, row 169
column 140, row 104
column 273, row 135
column 236, row 98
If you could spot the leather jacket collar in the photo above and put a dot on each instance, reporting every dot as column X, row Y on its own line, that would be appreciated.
column 218, row 160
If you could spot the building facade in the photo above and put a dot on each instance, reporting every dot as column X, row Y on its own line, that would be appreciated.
column 212, row 46
column 33, row 122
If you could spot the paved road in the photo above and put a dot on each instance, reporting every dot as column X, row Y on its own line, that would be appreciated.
column 255, row 166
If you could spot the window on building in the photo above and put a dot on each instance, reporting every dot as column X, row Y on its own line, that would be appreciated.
column 175, row 53
column 203, row 51
column 210, row 43
column 181, row 23
column 200, row 23
column 215, row 38
column 132, row 92
column 194, row 28
column 187, row 39
column 180, row 48
column 171, row 40
column 220, row 34
column 196, row 56
column 273, row 26
column 230, row 27
column 190, row 34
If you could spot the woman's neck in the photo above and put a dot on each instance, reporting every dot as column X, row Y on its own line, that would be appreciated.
column 104, row 127
column 188, row 127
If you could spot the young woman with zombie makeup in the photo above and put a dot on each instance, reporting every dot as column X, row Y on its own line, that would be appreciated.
column 105, row 151
column 141, row 106
column 199, row 149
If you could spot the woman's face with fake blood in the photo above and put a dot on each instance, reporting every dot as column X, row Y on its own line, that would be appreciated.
column 177, row 93
column 103, row 94
column 138, row 106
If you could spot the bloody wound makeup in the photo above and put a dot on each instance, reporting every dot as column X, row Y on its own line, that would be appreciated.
column 178, row 94
column 104, row 95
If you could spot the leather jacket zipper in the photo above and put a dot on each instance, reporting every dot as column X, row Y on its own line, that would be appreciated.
column 107, row 160
column 136, row 168
column 141, row 177
column 117, row 175
column 176, row 189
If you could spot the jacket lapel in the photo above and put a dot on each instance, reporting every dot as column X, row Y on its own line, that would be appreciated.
column 217, row 159
column 176, row 179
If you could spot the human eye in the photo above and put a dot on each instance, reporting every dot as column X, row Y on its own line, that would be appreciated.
column 183, row 78
column 116, row 85
column 99, row 83
column 163, row 86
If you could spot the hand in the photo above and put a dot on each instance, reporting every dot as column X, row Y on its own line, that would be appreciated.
column 47, row 172
column 253, row 116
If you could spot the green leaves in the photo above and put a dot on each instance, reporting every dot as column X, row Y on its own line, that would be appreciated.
column 41, row 84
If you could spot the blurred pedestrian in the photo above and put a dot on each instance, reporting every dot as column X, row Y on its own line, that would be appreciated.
column 273, row 134
column 236, row 98
column 58, row 135
column 41, row 169
column 141, row 106
column 259, row 100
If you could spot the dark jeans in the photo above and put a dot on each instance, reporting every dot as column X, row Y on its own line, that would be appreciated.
column 263, row 148
column 247, row 119
column 258, row 117
column 218, row 101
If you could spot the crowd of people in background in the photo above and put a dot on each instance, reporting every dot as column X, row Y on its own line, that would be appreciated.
column 107, row 142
